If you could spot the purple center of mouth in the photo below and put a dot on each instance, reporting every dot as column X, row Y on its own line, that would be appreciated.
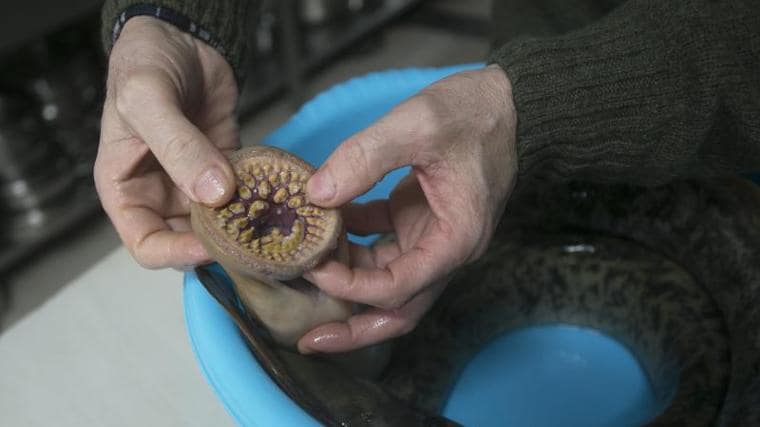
column 278, row 216
column 270, row 215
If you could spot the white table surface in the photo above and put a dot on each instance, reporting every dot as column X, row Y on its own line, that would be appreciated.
column 110, row 349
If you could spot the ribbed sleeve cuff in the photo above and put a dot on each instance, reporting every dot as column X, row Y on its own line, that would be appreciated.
column 615, row 100
column 220, row 23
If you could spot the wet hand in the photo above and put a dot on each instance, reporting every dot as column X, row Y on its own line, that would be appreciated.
column 458, row 135
column 167, row 118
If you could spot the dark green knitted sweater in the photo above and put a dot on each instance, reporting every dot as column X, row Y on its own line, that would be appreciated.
column 643, row 92
column 226, row 20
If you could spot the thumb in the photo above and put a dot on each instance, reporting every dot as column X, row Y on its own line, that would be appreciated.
column 362, row 160
column 150, row 106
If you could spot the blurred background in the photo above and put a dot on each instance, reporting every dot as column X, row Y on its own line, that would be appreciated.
column 52, row 74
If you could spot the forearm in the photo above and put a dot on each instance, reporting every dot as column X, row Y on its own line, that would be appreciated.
column 220, row 23
column 654, row 91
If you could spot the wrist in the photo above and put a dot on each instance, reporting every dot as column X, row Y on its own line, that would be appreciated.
column 146, row 43
column 501, row 87
column 145, row 25
column 153, row 14
column 499, row 91
column 500, row 81
column 221, row 25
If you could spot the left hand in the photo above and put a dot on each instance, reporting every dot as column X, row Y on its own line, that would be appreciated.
column 168, row 118
column 459, row 137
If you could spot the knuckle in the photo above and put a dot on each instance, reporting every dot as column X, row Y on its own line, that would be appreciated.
column 174, row 147
column 406, row 326
column 356, row 157
column 144, row 256
column 474, row 244
column 393, row 303
column 143, row 260
column 356, row 153
column 98, row 175
column 134, row 91
column 429, row 115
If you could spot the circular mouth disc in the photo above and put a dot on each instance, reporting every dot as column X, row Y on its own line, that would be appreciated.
column 269, row 228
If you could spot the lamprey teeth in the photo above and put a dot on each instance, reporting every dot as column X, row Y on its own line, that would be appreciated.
column 248, row 181
column 280, row 195
column 224, row 213
column 245, row 193
column 263, row 189
column 232, row 230
column 237, row 208
column 281, row 246
column 294, row 188
column 295, row 202
column 240, row 223
column 269, row 227
column 246, row 236
column 257, row 208
column 315, row 221
column 308, row 211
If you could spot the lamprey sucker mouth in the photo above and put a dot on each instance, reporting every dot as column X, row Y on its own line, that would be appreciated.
column 268, row 235
column 669, row 272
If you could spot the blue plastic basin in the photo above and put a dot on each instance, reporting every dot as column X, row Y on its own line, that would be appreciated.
column 544, row 376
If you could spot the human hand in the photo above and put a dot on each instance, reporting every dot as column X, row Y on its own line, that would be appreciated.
column 459, row 137
column 168, row 116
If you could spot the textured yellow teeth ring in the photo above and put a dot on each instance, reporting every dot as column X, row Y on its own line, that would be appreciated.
column 268, row 235
column 269, row 227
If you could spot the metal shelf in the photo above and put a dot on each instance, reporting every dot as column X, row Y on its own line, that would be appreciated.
column 24, row 21
column 304, row 50
column 81, row 203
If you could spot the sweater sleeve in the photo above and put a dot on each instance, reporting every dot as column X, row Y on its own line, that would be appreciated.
column 221, row 23
column 655, row 90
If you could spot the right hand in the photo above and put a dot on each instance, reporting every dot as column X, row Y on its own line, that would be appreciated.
column 459, row 137
column 168, row 117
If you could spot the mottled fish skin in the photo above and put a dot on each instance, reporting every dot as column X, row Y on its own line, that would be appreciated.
column 322, row 388
column 529, row 277
column 673, row 272
column 711, row 229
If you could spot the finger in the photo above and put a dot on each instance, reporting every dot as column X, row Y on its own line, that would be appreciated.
column 136, row 195
column 152, row 191
column 368, row 218
column 150, row 106
column 179, row 223
column 363, row 159
column 367, row 328
column 377, row 256
column 154, row 244
column 153, row 241
column 390, row 287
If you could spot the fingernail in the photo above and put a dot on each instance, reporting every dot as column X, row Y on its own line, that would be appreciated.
column 303, row 349
column 318, row 341
column 308, row 276
column 210, row 186
column 320, row 187
column 198, row 253
column 317, row 344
